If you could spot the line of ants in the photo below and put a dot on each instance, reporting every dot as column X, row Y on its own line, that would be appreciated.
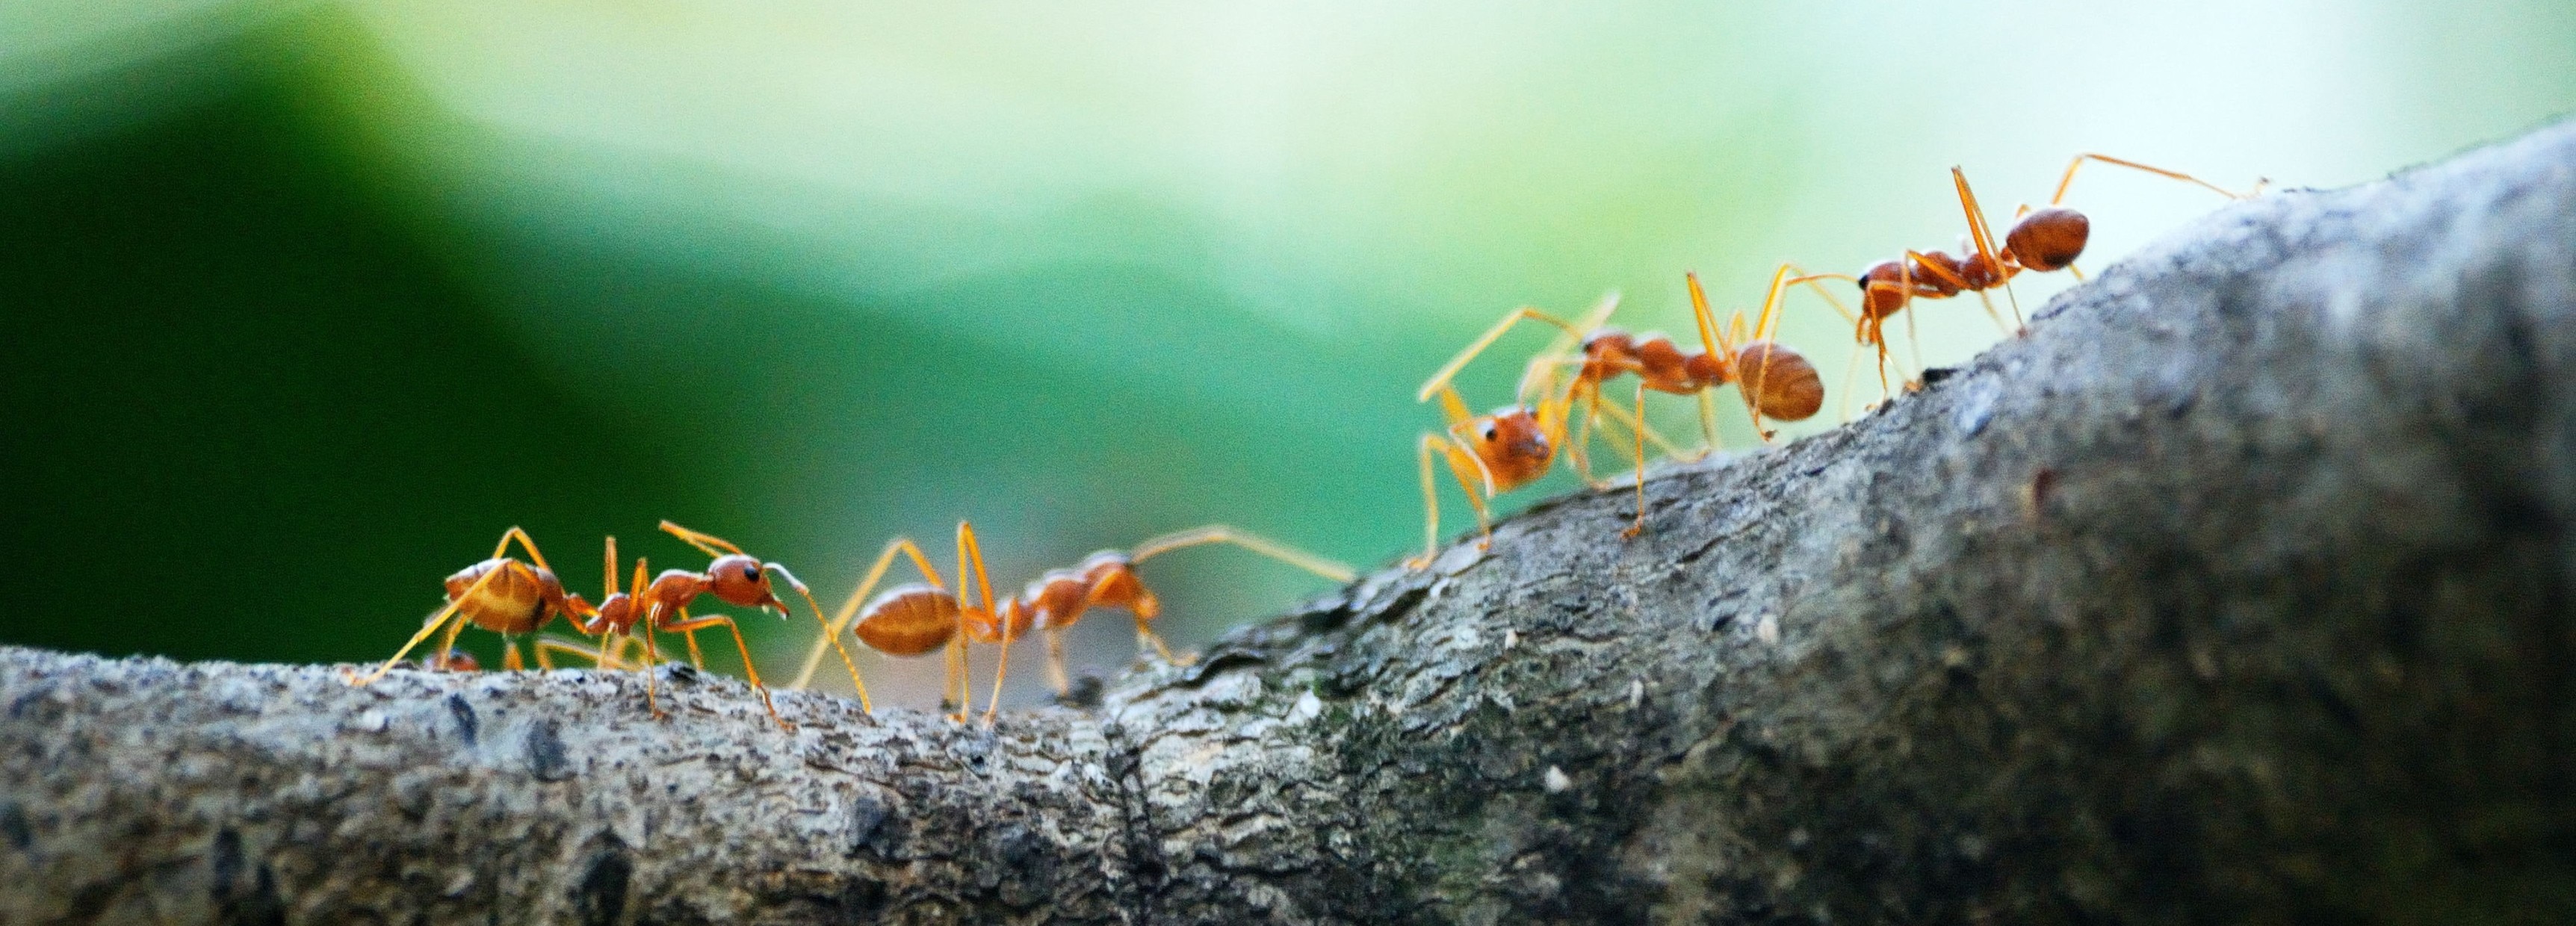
column 1487, row 455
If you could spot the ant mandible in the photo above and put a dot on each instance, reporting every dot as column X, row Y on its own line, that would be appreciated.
column 2041, row 240
column 502, row 594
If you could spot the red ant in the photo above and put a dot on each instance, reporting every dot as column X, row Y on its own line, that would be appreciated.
column 1772, row 379
column 734, row 577
column 907, row 620
column 915, row 618
column 2041, row 240
column 502, row 595
column 510, row 597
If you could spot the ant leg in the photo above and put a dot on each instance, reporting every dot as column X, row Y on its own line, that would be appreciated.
column 849, row 612
column 1055, row 662
column 427, row 628
column 1579, row 449
column 1849, row 367
column 1813, row 282
column 697, row 660
column 1707, row 427
column 447, row 642
column 1147, row 637
column 652, row 657
column 1430, row 501
column 1914, row 345
column 1640, row 456
column 524, row 543
column 1222, row 533
column 1441, row 379
column 510, row 656
column 1621, row 417
column 1985, row 239
column 970, row 554
column 708, row 544
column 691, row 626
column 1001, row 670
column 2071, row 166
column 545, row 645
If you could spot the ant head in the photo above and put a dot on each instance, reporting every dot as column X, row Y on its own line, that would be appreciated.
column 1512, row 444
column 742, row 581
column 2048, row 239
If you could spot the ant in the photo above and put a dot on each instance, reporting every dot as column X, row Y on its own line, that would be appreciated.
column 1772, row 379
column 662, row 606
column 2041, row 240
column 912, row 619
column 1507, row 448
column 907, row 620
column 502, row 594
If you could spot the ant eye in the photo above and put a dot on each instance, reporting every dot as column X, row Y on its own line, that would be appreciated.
column 750, row 573
column 1491, row 432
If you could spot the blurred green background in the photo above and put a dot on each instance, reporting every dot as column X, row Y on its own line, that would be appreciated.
column 306, row 302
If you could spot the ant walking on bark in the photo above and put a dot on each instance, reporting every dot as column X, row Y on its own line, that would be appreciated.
column 915, row 618
column 662, row 606
column 2041, row 240
column 1771, row 378
column 504, row 595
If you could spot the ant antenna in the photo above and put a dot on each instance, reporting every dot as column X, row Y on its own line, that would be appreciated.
column 1220, row 533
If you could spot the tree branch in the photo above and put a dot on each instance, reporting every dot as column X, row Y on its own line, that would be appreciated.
column 2239, row 589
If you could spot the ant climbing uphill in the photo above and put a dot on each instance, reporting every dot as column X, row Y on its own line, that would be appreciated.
column 2041, row 240
column 1771, row 378
column 913, row 619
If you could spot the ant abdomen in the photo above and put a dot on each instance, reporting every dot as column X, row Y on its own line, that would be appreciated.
column 908, row 620
column 1781, row 382
column 2048, row 239
column 514, row 600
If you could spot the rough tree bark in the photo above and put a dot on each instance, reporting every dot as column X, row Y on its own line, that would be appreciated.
column 2239, row 589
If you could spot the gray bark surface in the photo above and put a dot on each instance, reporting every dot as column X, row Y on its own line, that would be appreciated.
column 2237, row 590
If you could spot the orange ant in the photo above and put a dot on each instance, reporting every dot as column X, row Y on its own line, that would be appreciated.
column 2041, row 240
column 662, row 606
column 907, row 620
column 1772, row 379
column 915, row 618
column 503, row 595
